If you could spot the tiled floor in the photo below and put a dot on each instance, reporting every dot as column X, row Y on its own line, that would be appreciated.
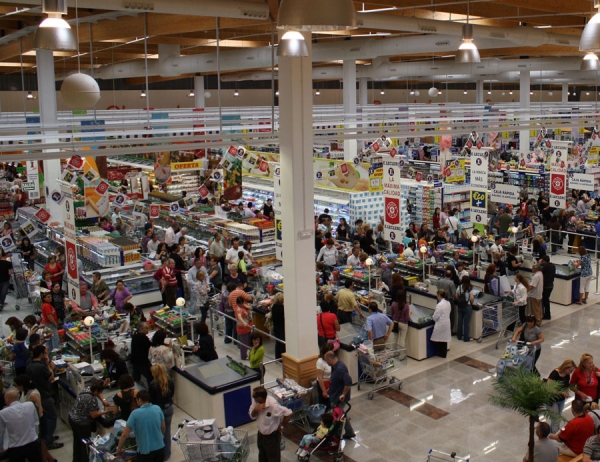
column 444, row 403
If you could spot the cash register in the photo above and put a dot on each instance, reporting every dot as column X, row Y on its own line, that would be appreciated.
column 81, row 375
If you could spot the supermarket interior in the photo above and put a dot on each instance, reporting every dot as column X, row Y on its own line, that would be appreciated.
column 288, row 230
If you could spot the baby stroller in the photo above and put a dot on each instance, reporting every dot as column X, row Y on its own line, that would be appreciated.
column 332, row 442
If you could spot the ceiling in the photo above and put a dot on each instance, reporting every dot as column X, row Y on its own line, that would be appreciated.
column 116, row 37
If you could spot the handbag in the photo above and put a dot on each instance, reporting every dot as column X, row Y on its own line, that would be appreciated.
column 334, row 341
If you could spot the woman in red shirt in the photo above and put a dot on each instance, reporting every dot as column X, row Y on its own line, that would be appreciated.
column 585, row 379
column 327, row 325
column 55, row 269
column 243, row 328
column 50, row 319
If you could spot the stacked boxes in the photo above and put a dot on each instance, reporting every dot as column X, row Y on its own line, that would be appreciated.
column 367, row 206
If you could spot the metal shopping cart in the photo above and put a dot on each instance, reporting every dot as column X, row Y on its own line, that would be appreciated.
column 439, row 456
column 377, row 367
column 234, row 448
column 294, row 397
column 19, row 279
column 96, row 454
column 516, row 355
column 503, row 320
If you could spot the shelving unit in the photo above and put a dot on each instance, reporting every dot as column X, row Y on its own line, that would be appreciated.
column 458, row 196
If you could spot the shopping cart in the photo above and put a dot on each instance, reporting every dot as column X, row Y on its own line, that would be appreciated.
column 19, row 279
column 516, row 355
column 234, row 448
column 377, row 367
column 294, row 397
column 440, row 456
column 7, row 371
column 504, row 320
column 96, row 454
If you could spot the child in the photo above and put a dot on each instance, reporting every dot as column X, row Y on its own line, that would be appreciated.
column 314, row 438
column 241, row 266
column 257, row 353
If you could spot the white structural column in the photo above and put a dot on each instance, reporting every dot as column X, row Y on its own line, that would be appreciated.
column 363, row 90
column 199, row 100
column 524, row 99
column 350, row 105
column 297, row 191
column 48, row 118
column 479, row 92
column 565, row 93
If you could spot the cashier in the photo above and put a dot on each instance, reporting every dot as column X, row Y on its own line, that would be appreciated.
column 89, row 302
column 115, row 366
column 347, row 303
column 379, row 326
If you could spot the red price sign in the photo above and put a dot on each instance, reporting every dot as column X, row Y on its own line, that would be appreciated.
column 393, row 152
column 154, row 210
column 447, row 172
column 43, row 215
column 376, row 146
column 76, row 162
column 232, row 150
column 203, row 191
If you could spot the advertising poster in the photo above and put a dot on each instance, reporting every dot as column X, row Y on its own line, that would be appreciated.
column 341, row 175
column 174, row 207
column 94, row 189
column 43, row 215
column 232, row 176
column 8, row 244
column 33, row 176
column 29, row 229
column 581, row 181
column 558, row 190
column 479, row 185
column 454, row 171
column 178, row 167
column 504, row 193
column 559, row 163
column 154, row 210
column 392, row 200
column 376, row 177
column 162, row 167
column 277, row 206
column 70, row 245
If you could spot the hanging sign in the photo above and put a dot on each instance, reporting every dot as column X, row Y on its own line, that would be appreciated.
column 581, row 181
column 29, row 229
column 8, row 244
column 454, row 171
column 558, row 190
column 203, row 191
column 154, row 210
column 102, row 187
column 119, row 200
column 392, row 201
column 70, row 245
column 174, row 207
column 33, row 176
column 43, row 215
column 75, row 162
column 69, row 177
column 479, row 185
column 504, row 193
column 277, row 207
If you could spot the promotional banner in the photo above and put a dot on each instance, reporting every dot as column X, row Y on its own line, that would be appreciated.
column 504, row 193
column 177, row 167
column 154, row 210
column 29, row 229
column 8, row 244
column 581, row 181
column 338, row 174
column 454, row 171
column 43, row 215
column 277, row 206
column 479, row 185
column 232, row 173
column 174, row 207
column 376, row 176
column 162, row 167
column 203, row 191
column 33, row 176
column 97, row 202
column 559, row 163
column 558, row 190
column 57, row 196
column 70, row 245
column 392, row 200
column 119, row 200
column 68, row 176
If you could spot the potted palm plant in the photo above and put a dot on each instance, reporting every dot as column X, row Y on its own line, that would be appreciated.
column 524, row 392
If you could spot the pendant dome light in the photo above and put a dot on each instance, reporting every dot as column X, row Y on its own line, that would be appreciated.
column 54, row 33
column 292, row 45
column 590, row 37
column 590, row 62
column 316, row 15
column 467, row 51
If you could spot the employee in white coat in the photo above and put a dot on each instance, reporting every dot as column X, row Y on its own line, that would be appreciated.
column 441, row 316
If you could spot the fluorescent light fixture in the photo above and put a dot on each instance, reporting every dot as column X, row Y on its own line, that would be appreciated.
column 465, row 92
column 489, row 92
column 542, row 27
column 531, row 93
column 292, row 45
column 137, row 40
column 412, row 92
column 29, row 95
column 382, row 92
column 371, row 34
column 277, row 93
column 510, row 92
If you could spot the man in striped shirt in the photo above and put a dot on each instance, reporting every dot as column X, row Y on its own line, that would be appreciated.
column 169, row 283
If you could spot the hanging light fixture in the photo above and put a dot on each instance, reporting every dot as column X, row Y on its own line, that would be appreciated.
column 277, row 93
column 433, row 92
column 292, row 45
column 590, row 37
column 412, row 92
column 590, row 62
column 29, row 95
column 382, row 92
column 236, row 93
column 191, row 94
column 143, row 94
column 317, row 93
column 467, row 51
column 510, row 92
column 316, row 15
column 54, row 33
column 417, row 93
column 465, row 92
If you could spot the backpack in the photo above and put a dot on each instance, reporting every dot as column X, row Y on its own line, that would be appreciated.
column 463, row 299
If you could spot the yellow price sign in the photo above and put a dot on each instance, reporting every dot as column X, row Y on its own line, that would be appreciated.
column 436, row 139
column 505, row 135
column 532, row 133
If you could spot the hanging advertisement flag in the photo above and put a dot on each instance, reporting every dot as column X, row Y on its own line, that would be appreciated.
column 277, row 206
column 75, row 163
column 33, row 176
column 392, row 201
column 91, row 175
column 102, row 187
column 29, row 229
column 479, row 185
column 581, row 181
column 43, row 215
column 189, row 201
column 120, row 200
column 504, row 193
column 479, row 206
column 70, row 245
column 140, row 208
column 174, row 207
column 217, row 175
column 232, row 176
column 376, row 176
column 68, row 176
column 57, row 196
column 559, row 163
column 162, row 167
column 203, row 191
column 8, row 244
column 558, row 190
column 154, row 210
column 454, row 171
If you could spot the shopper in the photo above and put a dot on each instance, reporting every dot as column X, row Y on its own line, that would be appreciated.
column 327, row 326
column 20, row 353
column 400, row 312
column 323, row 375
column 227, row 310
column 342, row 231
column 267, row 209
column 200, row 289
column 99, row 287
column 491, row 281
column 532, row 335
column 257, row 352
column 215, row 274
column 125, row 398
column 232, row 257
column 148, row 423
column 329, row 301
column 49, row 319
column 41, row 373
column 347, row 304
column 217, row 249
column 115, row 366
column 58, row 301
column 519, row 291
column 561, row 374
column 464, row 305
column 140, row 349
column 278, row 318
column 441, row 331
column 379, row 327
column 576, row 432
column 120, row 296
column 205, row 344
column 28, row 252
column 504, row 223
column 367, row 243
column 18, row 423
column 549, row 272
column 162, row 390
column 243, row 314
column 270, row 418
column 159, row 352
column 169, row 283
column 340, row 385
column 535, row 293
column 586, row 379
column 328, row 254
column 585, row 264
column 53, row 267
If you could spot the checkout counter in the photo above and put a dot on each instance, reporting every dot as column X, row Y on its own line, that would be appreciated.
column 566, row 283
